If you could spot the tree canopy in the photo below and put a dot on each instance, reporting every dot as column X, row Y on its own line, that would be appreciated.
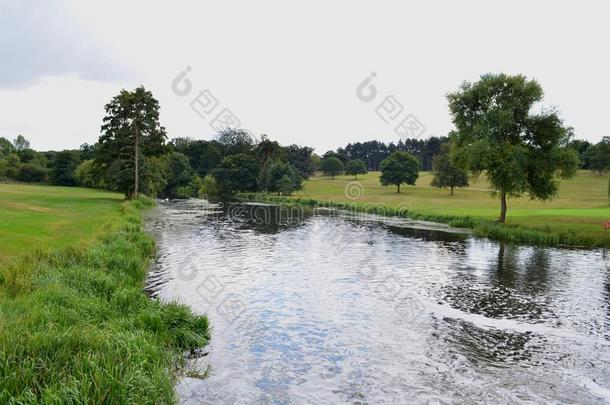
column 521, row 152
column 331, row 166
column 130, row 132
column 355, row 167
column 446, row 174
column 399, row 168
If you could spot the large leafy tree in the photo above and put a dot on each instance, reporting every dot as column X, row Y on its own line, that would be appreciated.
column 598, row 156
column 237, row 172
column 521, row 152
column 399, row 168
column 21, row 143
column 269, row 150
column 6, row 147
column 331, row 166
column 235, row 141
column 203, row 155
column 63, row 167
column 130, row 132
column 301, row 157
column 355, row 167
column 446, row 174
column 274, row 174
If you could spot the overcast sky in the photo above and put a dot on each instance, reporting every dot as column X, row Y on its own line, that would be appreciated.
column 292, row 70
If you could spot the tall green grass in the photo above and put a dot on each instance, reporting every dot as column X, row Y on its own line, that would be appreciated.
column 76, row 326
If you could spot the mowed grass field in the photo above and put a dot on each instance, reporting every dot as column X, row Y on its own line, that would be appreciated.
column 41, row 217
column 581, row 205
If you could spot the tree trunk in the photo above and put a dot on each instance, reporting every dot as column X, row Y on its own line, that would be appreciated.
column 398, row 189
column 137, row 169
column 502, row 218
column 451, row 191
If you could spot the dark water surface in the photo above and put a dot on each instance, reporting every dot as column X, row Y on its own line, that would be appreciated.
column 328, row 309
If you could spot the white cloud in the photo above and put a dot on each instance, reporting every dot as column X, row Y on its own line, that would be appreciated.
column 43, row 38
column 290, row 70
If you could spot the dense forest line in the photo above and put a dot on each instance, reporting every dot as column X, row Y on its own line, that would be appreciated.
column 184, row 162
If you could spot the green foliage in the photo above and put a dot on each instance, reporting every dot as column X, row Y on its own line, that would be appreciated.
column 582, row 148
column 234, row 141
column 209, row 188
column 598, row 156
column 269, row 150
column 87, row 174
column 285, row 185
column 6, row 147
column 180, row 179
column 76, row 326
column 31, row 173
column 131, row 128
column 331, row 166
column 20, row 143
column 237, row 173
column 446, row 174
column 302, row 158
column 274, row 174
column 64, row 166
column 355, row 167
column 203, row 155
column 399, row 168
column 496, row 133
column 12, row 166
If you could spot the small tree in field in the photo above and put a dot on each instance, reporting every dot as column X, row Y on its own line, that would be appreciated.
column 446, row 174
column 520, row 152
column 332, row 166
column 355, row 167
column 398, row 168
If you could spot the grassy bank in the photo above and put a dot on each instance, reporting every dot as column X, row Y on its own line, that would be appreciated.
column 51, row 217
column 573, row 218
column 77, row 327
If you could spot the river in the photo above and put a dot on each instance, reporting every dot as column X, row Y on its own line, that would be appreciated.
column 328, row 308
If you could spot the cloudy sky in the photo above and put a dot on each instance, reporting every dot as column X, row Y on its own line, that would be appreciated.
column 290, row 70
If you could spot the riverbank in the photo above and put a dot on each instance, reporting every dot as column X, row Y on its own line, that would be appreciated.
column 77, row 327
column 480, row 226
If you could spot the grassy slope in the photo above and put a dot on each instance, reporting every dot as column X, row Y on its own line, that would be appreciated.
column 75, row 323
column 43, row 216
column 573, row 218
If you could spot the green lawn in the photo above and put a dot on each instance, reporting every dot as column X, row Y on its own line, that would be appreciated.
column 582, row 203
column 33, row 216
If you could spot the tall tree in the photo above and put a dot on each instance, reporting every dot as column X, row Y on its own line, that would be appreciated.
column 399, row 168
column 598, row 156
column 21, row 143
column 63, row 167
column 332, row 166
column 355, row 167
column 236, row 173
column 235, row 141
column 301, row 157
column 268, row 149
column 130, row 132
column 520, row 152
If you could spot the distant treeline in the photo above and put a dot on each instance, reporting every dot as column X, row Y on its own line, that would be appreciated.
column 192, row 160
column 594, row 157
column 372, row 153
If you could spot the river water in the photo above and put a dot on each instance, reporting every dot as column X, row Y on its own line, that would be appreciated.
column 331, row 308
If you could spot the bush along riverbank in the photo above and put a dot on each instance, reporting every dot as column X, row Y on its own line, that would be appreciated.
column 480, row 227
column 77, row 327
